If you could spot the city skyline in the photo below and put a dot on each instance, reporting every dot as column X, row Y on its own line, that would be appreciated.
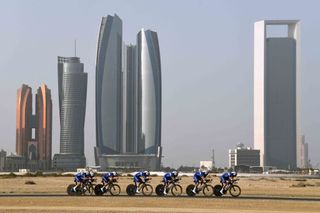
column 207, row 76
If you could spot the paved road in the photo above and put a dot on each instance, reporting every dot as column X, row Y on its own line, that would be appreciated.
column 242, row 197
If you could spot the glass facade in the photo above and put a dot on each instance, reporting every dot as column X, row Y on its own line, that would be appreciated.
column 109, row 86
column 72, row 82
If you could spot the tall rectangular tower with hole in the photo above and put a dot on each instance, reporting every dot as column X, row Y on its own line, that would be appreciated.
column 277, row 93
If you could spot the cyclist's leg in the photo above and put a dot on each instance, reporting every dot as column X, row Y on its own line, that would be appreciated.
column 223, row 183
column 196, row 184
column 76, row 186
column 139, row 180
column 103, row 186
column 165, row 191
column 78, row 182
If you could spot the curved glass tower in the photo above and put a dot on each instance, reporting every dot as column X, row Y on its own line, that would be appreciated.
column 72, row 82
column 128, row 99
column 149, row 97
column 109, row 86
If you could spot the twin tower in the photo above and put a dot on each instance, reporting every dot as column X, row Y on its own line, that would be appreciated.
column 128, row 99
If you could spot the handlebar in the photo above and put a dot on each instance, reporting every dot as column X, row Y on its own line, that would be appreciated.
column 147, row 179
column 207, row 180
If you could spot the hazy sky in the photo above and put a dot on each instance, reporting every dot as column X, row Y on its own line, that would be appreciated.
column 207, row 66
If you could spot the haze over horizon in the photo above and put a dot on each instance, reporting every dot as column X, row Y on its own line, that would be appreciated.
column 206, row 52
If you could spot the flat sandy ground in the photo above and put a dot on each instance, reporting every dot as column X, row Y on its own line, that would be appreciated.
column 258, row 195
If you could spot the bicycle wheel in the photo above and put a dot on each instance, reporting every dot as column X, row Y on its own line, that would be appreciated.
column 176, row 190
column 235, row 191
column 160, row 190
column 217, row 189
column 97, row 190
column 147, row 190
column 208, row 190
column 70, row 190
column 189, row 190
column 131, row 189
column 115, row 189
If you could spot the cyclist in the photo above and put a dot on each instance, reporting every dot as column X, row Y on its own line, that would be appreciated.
column 107, row 178
column 198, row 178
column 169, row 178
column 79, row 179
column 226, row 178
column 138, row 179
column 89, row 174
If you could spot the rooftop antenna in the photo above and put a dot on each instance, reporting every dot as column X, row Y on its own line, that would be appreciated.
column 75, row 48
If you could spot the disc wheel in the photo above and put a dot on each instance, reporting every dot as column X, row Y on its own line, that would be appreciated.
column 147, row 190
column 235, row 191
column 97, row 190
column 131, row 189
column 189, row 190
column 217, row 189
column 160, row 190
column 115, row 189
column 208, row 190
column 70, row 190
column 176, row 190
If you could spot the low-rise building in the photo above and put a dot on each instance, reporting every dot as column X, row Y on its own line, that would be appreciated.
column 3, row 155
column 244, row 156
column 206, row 165
column 14, row 162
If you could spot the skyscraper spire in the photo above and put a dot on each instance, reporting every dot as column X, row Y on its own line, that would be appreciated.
column 75, row 48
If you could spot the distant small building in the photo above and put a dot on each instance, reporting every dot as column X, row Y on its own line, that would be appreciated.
column 3, row 155
column 129, row 161
column 15, row 162
column 244, row 156
column 206, row 165
column 303, row 154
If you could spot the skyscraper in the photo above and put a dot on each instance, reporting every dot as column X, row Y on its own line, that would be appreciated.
column 23, row 120
column 128, row 99
column 149, row 95
column 109, row 86
column 72, row 83
column 34, row 132
column 277, row 94
column 44, row 126
column 131, row 106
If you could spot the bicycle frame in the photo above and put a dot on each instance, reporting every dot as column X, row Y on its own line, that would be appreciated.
column 204, row 183
column 172, row 184
column 141, row 185
column 107, row 187
column 230, row 184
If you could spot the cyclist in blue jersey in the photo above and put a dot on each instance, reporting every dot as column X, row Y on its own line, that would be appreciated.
column 138, row 179
column 199, row 178
column 169, row 178
column 107, row 178
column 225, row 178
column 79, row 179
